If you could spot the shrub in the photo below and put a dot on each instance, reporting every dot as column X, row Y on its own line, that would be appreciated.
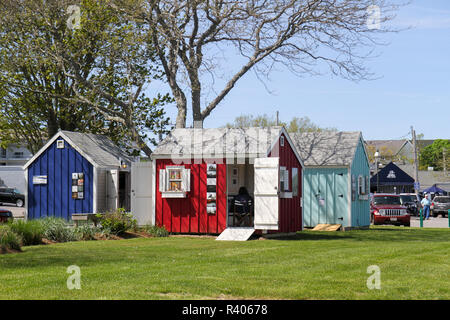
column 117, row 222
column 9, row 239
column 57, row 229
column 156, row 231
column 30, row 231
column 86, row 232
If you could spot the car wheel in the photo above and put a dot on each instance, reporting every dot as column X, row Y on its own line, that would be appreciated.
column 19, row 203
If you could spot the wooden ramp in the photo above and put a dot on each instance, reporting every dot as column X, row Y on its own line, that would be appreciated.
column 236, row 234
column 327, row 227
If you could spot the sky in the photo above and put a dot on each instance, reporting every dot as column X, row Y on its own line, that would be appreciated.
column 412, row 86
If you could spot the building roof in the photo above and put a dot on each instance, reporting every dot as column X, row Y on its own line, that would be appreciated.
column 391, row 175
column 97, row 149
column 393, row 145
column 221, row 141
column 427, row 178
column 326, row 148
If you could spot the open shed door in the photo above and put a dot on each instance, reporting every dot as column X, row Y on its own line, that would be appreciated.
column 141, row 192
column 112, row 189
column 266, row 193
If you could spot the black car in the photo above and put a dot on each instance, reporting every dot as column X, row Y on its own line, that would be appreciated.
column 412, row 203
column 12, row 196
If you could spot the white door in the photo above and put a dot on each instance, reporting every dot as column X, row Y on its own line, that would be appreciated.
column 141, row 192
column 266, row 193
column 112, row 189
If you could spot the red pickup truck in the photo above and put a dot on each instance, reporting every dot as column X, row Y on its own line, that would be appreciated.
column 388, row 209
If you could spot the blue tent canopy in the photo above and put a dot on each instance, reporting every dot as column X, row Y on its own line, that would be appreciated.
column 391, row 175
column 434, row 189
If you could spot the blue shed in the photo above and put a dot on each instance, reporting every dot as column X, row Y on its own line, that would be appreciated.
column 336, row 178
column 77, row 173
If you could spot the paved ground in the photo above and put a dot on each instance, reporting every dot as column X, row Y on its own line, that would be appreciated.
column 432, row 223
column 17, row 212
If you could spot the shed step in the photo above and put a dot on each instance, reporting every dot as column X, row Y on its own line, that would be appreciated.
column 327, row 227
column 236, row 234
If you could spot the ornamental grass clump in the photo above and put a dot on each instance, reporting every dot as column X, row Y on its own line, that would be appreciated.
column 9, row 240
column 57, row 229
column 31, row 231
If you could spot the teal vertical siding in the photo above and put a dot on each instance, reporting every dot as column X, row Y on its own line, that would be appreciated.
column 331, row 185
column 360, row 208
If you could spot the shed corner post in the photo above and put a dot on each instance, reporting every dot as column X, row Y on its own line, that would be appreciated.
column 153, row 209
column 94, row 191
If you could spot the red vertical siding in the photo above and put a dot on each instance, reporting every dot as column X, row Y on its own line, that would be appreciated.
column 290, row 211
column 188, row 215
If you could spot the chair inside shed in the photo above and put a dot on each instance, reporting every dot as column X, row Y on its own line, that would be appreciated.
column 240, row 175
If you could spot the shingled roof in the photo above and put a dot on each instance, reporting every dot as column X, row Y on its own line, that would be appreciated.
column 225, row 141
column 97, row 149
column 326, row 148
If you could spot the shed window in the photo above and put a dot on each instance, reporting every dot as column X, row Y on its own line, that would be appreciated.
column 363, row 185
column 174, row 182
column 294, row 182
column 284, row 179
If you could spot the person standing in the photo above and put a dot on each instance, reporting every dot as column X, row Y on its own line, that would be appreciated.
column 426, row 203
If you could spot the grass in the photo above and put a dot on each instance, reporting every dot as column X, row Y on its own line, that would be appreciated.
column 414, row 264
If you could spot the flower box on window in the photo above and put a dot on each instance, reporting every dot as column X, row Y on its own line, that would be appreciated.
column 174, row 182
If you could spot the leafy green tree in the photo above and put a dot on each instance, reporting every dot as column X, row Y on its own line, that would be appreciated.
column 76, row 65
column 433, row 155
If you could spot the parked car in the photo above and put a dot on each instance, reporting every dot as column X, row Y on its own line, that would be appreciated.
column 412, row 203
column 388, row 209
column 5, row 215
column 12, row 196
column 440, row 205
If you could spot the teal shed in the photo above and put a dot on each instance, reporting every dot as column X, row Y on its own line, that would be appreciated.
column 336, row 178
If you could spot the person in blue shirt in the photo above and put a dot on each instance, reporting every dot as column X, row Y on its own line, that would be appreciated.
column 426, row 203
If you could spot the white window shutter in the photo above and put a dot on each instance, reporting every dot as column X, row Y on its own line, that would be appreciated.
column 186, row 183
column 162, row 180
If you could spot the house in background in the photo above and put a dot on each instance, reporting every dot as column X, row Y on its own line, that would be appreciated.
column 335, row 179
column 399, row 151
column 12, row 160
column 392, row 179
column 14, row 155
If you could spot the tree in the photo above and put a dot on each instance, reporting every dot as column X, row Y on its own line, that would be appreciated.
column 303, row 35
column 433, row 155
column 87, row 72
column 303, row 124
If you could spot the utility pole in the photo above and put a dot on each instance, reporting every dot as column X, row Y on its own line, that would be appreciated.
column 416, row 167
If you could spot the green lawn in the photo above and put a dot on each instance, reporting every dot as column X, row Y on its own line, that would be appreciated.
column 414, row 263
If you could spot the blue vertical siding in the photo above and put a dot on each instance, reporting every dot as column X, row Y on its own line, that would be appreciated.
column 55, row 198
column 360, row 208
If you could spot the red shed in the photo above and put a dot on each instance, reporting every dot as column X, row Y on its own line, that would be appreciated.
column 199, row 172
